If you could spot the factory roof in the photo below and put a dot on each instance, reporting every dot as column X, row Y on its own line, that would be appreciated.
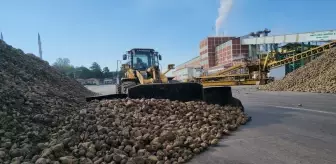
column 188, row 61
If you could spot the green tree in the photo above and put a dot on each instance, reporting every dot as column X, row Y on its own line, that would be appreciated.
column 95, row 67
column 106, row 70
column 63, row 65
column 62, row 62
column 83, row 72
column 96, row 70
column 107, row 73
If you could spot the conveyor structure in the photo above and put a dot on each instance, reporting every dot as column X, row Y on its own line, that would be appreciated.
column 302, row 55
column 256, row 71
column 228, row 70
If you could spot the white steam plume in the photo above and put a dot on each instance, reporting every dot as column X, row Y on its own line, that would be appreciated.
column 223, row 11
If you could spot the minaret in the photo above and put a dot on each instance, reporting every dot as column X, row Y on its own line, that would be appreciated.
column 1, row 36
column 40, row 45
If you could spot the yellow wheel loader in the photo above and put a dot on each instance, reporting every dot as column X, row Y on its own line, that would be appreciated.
column 144, row 79
column 142, row 67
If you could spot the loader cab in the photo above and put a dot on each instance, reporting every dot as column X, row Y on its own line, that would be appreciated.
column 141, row 59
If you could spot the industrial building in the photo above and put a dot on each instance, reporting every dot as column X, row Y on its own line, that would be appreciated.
column 188, row 69
column 208, row 50
column 215, row 54
column 220, row 53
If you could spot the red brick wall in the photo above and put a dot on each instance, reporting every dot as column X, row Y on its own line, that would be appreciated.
column 238, row 49
column 224, row 55
column 210, row 43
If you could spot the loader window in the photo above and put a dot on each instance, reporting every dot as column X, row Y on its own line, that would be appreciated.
column 155, row 59
column 141, row 61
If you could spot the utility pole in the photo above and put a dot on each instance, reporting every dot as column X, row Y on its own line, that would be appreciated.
column 1, row 37
column 40, row 45
column 118, row 61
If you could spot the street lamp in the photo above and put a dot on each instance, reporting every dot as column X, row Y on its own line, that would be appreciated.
column 118, row 61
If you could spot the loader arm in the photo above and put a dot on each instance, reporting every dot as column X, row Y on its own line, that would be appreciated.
column 170, row 67
column 164, row 78
column 155, row 76
column 129, row 74
column 143, row 80
column 165, row 72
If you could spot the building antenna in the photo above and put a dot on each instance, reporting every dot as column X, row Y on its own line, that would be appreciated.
column 1, row 37
column 40, row 45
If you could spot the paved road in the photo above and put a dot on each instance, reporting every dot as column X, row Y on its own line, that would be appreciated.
column 281, row 131
column 102, row 89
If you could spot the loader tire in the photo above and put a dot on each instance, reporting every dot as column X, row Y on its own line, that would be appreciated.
column 118, row 89
column 125, row 85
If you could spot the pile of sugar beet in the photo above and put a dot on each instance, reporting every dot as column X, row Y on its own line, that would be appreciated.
column 45, row 120
column 318, row 76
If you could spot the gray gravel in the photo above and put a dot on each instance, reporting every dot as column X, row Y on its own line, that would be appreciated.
column 286, row 128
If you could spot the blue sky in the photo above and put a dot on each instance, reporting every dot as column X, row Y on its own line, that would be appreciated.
column 102, row 30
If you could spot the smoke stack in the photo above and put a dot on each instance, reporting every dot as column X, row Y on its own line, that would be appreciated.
column 223, row 12
column 39, row 44
column 1, row 37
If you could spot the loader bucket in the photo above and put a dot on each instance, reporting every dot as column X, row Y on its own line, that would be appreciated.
column 111, row 96
column 172, row 91
column 217, row 95
column 178, row 91
column 221, row 96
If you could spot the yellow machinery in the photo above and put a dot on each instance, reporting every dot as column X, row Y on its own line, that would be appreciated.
column 270, row 64
column 249, row 77
column 142, row 68
column 256, row 71
column 143, row 79
column 228, row 70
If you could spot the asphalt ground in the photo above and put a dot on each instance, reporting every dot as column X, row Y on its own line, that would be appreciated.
column 286, row 128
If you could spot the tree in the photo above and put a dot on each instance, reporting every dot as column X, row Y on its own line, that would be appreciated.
column 95, row 67
column 62, row 62
column 106, row 70
column 83, row 73
column 96, row 70
column 107, row 73
column 63, row 65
